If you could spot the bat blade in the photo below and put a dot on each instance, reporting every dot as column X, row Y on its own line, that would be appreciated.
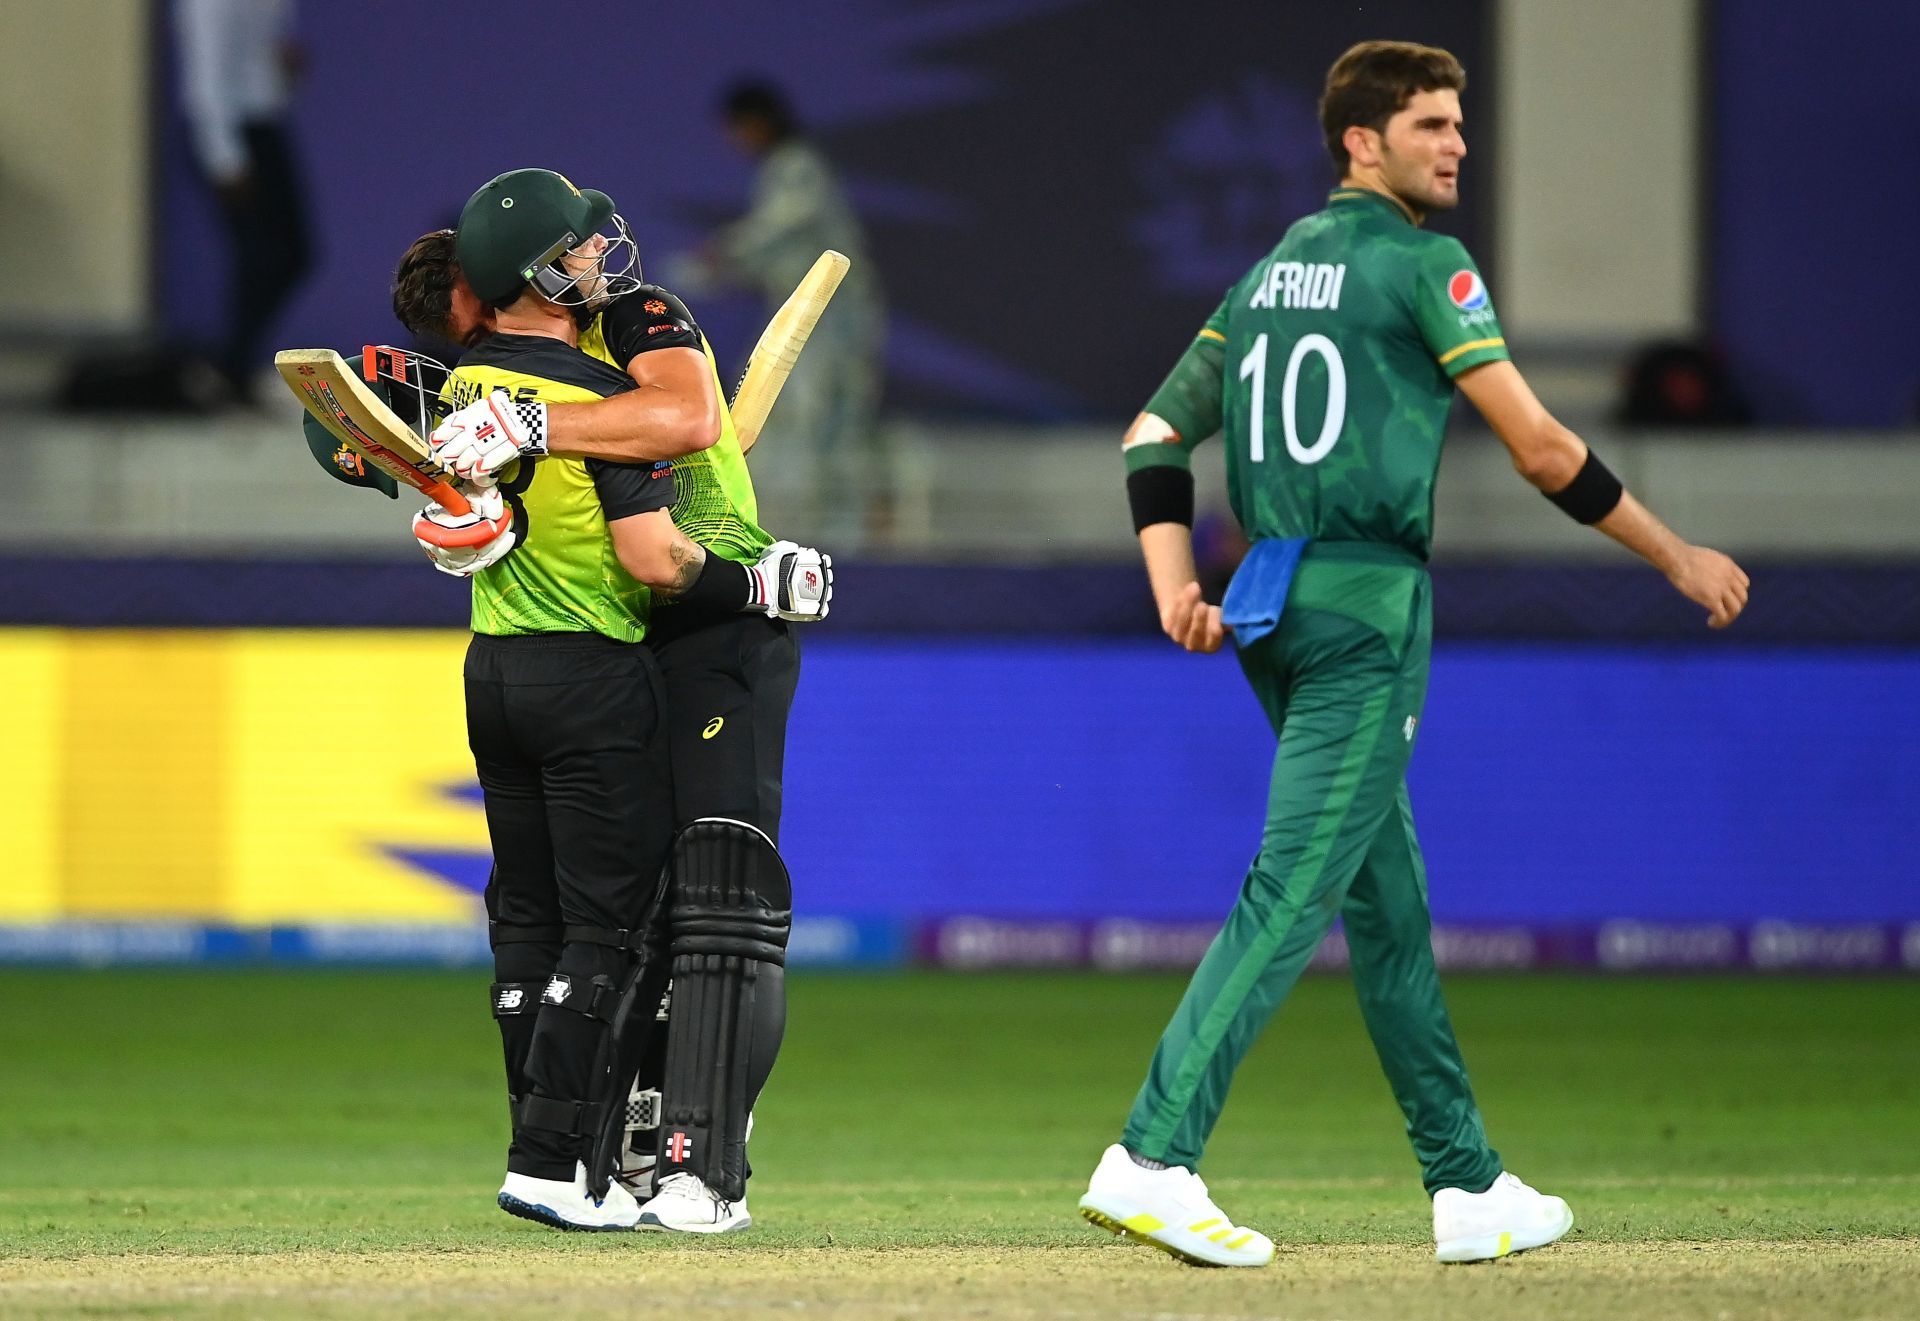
column 353, row 414
column 780, row 344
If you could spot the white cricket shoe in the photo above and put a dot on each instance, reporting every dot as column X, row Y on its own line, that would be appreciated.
column 1168, row 1209
column 637, row 1178
column 1508, row 1217
column 685, row 1205
column 567, row 1205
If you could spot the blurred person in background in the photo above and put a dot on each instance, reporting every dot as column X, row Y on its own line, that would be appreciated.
column 238, row 62
column 829, row 445
column 1672, row 383
column 1329, row 369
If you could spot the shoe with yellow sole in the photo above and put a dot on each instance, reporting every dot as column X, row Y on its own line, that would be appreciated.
column 1168, row 1209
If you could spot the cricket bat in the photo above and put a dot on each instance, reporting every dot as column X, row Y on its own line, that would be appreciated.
column 354, row 414
column 780, row 344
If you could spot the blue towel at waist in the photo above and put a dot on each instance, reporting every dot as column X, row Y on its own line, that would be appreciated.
column 1258, row 593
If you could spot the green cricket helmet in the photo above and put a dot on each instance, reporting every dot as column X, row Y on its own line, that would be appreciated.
column 405, row 381
column 518, row 228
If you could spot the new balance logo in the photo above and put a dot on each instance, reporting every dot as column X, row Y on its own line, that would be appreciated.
column 557, row 991
column 510, row 999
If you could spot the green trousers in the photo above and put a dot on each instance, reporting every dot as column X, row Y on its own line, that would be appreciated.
column 1342, row 680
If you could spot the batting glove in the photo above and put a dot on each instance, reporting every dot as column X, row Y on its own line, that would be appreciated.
column 477, row 441
column 464, row 544
column 791, row 582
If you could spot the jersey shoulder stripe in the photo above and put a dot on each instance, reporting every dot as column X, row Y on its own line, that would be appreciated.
column 1469, row 347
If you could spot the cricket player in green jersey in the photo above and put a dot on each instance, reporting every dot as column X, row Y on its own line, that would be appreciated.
column 1329, row 370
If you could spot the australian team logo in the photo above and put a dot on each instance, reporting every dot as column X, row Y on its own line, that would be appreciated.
column 1467, row 290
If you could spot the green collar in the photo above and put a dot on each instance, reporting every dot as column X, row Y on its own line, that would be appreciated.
column 1367, row 197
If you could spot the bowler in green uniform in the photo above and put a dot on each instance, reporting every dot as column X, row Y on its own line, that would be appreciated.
column 1329, row 370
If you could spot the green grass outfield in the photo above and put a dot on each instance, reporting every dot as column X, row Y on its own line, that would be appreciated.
column 328, row 1144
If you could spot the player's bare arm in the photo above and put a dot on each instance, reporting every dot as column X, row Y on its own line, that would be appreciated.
column 657, row 553
column 674, row 412
column 1168, row 549
column 789, row 582
column 1553, row 460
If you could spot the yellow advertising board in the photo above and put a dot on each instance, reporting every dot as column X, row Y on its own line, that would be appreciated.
column 252, row 778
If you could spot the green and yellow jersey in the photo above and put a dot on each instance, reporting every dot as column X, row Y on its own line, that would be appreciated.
column 1329, row 369
column 563, row 576
column 714, row 502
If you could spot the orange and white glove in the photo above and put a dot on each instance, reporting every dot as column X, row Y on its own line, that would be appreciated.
column 476, row 442
column 464, row 544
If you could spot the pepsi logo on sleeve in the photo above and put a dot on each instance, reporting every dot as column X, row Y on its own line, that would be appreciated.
column 1467, row 290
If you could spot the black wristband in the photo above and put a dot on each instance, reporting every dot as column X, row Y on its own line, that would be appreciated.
column 1161, row 493
column 722, row 587
column 1593, row 493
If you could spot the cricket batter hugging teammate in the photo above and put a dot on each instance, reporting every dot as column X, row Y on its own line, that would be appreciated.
column 628, row 688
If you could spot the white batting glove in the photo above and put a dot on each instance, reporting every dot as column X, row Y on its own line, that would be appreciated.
column 464, row 544
column 477, row 441
column 791, row 582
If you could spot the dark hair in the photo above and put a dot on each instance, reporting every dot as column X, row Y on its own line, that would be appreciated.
column 1373, row 82
column 762, row 100
column 423, row 285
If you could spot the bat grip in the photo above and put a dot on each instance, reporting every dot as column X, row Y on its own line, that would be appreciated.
column 448, row 499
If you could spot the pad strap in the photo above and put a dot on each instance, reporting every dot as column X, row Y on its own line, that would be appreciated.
column 574, row 1118
column 510, row 933
column 597, row 999
column 515, row 997
column 611, row 937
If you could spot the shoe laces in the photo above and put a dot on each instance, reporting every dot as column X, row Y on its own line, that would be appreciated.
column 688, row 1184
column 1191, row 1192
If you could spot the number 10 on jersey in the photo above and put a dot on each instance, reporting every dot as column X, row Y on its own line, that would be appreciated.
column 1254, row 367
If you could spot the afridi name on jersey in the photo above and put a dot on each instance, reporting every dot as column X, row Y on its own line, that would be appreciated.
column 1330, row 371
column 714, row 502
column 564, row 576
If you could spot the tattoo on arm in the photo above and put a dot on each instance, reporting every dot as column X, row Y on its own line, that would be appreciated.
column 688, row 559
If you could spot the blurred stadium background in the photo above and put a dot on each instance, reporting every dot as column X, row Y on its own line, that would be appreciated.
column 240, row 841
column 995, row 760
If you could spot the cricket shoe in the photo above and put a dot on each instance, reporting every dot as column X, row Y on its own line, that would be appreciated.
column 567, row 1204
column 1168, row 1209
column 1508, row 1217
column 685, row 1205
column 637, row 1177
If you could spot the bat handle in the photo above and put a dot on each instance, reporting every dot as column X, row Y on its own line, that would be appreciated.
column 447, row 498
